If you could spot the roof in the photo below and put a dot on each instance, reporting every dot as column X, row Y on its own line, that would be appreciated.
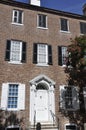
column 42, row 9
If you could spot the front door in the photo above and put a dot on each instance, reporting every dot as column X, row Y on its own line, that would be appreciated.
column 41, row 105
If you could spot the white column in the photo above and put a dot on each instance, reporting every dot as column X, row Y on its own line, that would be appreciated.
column 32, row 102
column 51, row 102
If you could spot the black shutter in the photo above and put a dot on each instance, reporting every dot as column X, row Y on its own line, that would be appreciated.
column 49, row 54
column 35, row 53
column 7, row 55
column 59, row 55
column 23, row 51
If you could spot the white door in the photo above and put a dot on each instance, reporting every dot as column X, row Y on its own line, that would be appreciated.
column 41, row 105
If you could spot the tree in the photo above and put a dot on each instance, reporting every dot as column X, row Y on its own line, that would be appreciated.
column 76, row 69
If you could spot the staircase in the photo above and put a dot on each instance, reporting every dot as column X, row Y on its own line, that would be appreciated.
column 45, row 127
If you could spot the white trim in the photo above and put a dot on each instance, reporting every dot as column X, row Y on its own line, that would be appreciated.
column 20, row 52
column 38, row 22
column 17, row 17
column 50, row 91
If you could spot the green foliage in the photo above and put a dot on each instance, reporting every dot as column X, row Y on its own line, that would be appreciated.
column 77, row 52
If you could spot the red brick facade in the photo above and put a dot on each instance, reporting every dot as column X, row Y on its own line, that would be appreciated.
column 29, row 33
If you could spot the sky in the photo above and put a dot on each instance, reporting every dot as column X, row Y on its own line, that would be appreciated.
column 72, row 6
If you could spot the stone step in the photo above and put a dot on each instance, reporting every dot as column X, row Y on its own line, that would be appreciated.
column 45, row 127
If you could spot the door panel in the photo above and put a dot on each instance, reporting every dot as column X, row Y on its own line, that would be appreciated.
column 41, row 105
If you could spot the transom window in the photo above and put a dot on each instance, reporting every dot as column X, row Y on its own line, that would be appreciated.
column 64, row 24
column 13, row 96
column 17, row 16
column 42, row 21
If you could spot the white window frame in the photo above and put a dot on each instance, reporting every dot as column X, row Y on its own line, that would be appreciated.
column 67, row 26
column 46, row 50
column 17, row 17
column 21, row 97
column 62, row 102
column 64, row 51
column 70, row 125
column 12, row 97
column 20, row 53
column 38, row 22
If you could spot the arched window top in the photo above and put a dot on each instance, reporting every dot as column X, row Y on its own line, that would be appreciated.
column 42, row 86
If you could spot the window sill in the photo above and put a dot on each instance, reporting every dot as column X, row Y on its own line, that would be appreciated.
column 42, row 65
column 65, row 31
column 14, row 62
column 18, row 24
column 44, row 28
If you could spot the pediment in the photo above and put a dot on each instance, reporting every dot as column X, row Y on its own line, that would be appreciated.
column 41, row 78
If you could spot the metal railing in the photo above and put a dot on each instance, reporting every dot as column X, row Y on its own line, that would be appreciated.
column 55, row 119
column 34, row 119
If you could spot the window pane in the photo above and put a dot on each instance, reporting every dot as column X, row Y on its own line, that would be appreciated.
column 17, row 16
column 15, row 51
column 83, row 27
column 64, row 24
column 64, row 55
column 13, row 96
column 42, row 53
column 42, row 21
column 68, row 98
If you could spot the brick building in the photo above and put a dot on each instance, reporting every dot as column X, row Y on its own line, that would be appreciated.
column 33, row 51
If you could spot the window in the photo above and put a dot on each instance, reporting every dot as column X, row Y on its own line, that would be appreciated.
column 17, row 17
column 69, row 98
column 64, row 24
column 62, row 55
column 71, row 127
column 15, row 51
column 83, row 28
column 13, row 128
column 42, row 54
column 42, row 21
column 13, row 96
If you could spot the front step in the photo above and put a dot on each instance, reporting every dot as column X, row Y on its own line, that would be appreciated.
column 45, row 127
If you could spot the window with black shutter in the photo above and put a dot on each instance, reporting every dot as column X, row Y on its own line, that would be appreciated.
column 62, row 55
column 42, row 54
column 83, row 28
column 64, row 24
column 15, row 51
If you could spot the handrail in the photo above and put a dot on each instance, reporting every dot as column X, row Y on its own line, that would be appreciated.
column 55, row 119
column 34, row 118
